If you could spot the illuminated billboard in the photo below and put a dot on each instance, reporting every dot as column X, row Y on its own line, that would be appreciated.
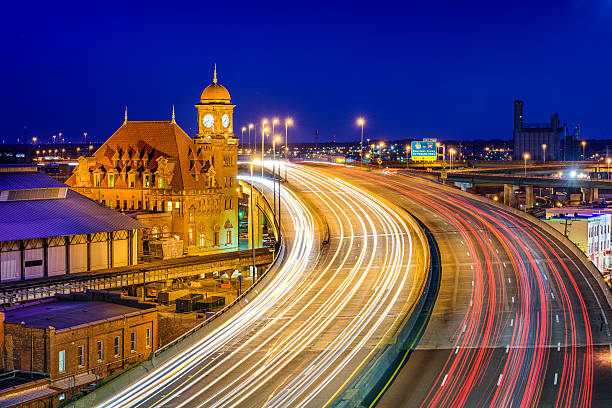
column 423, row 151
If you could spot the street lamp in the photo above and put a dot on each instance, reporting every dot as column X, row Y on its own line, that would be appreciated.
column 250, row 127
column 407, row 153
column 526, row 157
column 274, row 140
column 242, row 137
column 544, row 152
column 54, row 139
column 264, row 129
column 583, row 150
column 277, row 215
column 288, row 122
column 34, row 139
column 361, row 122
column 452, row 152
column 254, row 160
column 608, row 160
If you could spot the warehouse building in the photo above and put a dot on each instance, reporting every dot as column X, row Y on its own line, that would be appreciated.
column 48, row 230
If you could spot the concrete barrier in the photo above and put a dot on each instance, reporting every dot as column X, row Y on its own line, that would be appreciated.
column 367, row 387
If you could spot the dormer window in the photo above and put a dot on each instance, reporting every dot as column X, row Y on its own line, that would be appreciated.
column 147, row 181
column 97, row 179
column 161, row 183
column 132, row 180
column 111, row 180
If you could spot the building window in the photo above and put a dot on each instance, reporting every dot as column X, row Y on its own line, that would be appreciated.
column 111, row 180
column 228, row 237
column 110, row 203
column 202, row 239
column 81, row 356
column 161, row 183
column 169, row 206
column 100, row 351
column 133, row 342
column 62, row 396
column 132, row 180
column 62, row 361
column 96, row 179
column 155, row 232
column 117, row 346
column 148, row 337
column 177, row 204
column 216, row 238
column 147, row 181
column 192, row 214
column 191, row 237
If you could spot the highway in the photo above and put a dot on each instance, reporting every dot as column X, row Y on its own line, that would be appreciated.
column 518, row 320
column 326, row 311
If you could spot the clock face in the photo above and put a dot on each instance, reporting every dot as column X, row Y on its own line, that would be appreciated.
column 225, row 120
column 208, row 120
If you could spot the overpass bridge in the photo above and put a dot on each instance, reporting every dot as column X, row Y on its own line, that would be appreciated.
column 512, row 182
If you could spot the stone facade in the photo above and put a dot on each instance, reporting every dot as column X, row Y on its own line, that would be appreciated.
column 154, row 167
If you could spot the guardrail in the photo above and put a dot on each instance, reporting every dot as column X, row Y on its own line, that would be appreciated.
column 373, row 381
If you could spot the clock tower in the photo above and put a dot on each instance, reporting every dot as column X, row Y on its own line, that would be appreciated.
column 215, row 112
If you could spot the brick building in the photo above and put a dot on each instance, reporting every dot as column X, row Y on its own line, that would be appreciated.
column 76, row 339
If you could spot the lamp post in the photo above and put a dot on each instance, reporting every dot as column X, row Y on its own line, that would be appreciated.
column 544, row 152
column 263, row 136
column 54, row 136
column 526, row 157
column 242, row 137
column 274, row 140
column 250, row 127
column 288, row 122
column 451, row 152
column 407, row 154
column 361, row 122
column 253, row 160
column 277, row 139
column 583, row 150
column 608, row 160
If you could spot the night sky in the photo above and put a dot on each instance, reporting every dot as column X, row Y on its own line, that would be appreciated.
column 422, row 69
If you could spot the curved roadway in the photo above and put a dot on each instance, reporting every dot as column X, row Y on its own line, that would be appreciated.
column 310, row 330
column 519, row 321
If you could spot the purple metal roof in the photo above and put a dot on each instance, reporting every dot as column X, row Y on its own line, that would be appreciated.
column 76, row 214
column 27, row 180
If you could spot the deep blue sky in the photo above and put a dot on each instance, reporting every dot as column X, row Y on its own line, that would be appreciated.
column 419, row 69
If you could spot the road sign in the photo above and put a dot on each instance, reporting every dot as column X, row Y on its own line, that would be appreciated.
column 379, row 160
column 444, row 174
column 423, row 151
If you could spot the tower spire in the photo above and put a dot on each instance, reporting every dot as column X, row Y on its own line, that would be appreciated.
column 173, row 117
column 125, row 121
column 215, row 75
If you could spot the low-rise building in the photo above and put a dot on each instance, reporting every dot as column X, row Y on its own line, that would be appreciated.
column 74, row 340
column 590, row 233
column 46, row 229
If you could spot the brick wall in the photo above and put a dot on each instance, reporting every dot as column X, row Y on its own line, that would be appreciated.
column 48, row 343
column 18, row 351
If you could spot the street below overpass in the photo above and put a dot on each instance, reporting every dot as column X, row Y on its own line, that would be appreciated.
column 353, row 268
column 519, row 320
